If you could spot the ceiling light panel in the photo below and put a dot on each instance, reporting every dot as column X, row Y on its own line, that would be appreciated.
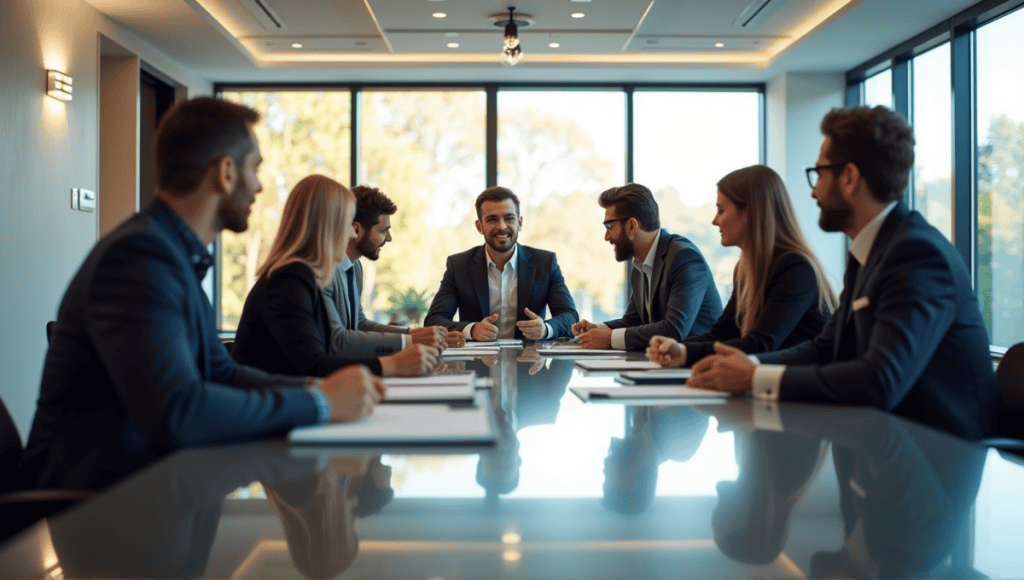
column 485, row 42
column 323, row 44
column 700, row 43
column 548, row 15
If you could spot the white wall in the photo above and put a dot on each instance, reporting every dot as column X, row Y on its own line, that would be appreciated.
column 795, row 103
column 46, row 148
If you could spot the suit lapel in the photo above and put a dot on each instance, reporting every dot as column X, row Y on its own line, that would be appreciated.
column 525, row 272
column 659, row 270
column 478, row 273
column 882, row 240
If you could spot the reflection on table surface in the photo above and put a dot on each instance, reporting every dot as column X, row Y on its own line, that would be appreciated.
column 735, row 490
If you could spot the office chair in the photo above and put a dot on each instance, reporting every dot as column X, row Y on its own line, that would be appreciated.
column 49, row 330
column 21, row 508
column 1010, row 421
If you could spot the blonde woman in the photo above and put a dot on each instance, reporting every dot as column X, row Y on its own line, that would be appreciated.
column 780, row 295
column 284, row 326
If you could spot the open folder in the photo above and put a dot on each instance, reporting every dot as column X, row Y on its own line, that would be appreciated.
column 662, row 394
column 406, row 425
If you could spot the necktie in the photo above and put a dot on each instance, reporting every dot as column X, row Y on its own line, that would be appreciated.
column 645, row 288
column 350, row 278
column 850, row 278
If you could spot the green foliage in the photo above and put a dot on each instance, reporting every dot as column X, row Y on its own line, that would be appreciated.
column 408, row 302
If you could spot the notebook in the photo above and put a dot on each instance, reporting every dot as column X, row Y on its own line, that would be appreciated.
column 406, row 425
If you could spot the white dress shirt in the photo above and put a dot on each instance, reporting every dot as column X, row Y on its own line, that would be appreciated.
column 503, row 292
column 646, row 269
column 767, row 378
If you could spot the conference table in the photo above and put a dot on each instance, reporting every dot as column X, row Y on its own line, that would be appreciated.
column 735, row 488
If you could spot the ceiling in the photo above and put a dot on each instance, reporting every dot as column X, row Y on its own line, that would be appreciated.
column 615, row 40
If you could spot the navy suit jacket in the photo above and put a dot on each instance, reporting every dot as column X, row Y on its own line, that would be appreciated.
column 285, row 327
column 684, row 299
column 790, row 314
column 908, row 337
column 135, row 368
column 540, row 285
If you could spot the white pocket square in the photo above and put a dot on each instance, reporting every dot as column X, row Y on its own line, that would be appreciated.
column 861, row 302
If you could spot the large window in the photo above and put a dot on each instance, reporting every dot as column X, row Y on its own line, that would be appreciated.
column 1000, row 163
column 878, row 89
column 933, row 128
column 684, row 142
column 556, row 148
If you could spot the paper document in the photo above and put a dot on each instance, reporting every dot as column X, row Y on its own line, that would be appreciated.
column 467, row 352
column 435, row 394
column 655, row 377
column 498, row 343
column 405, row 425
column 578, row 351
column 620, row 394
column 616, row 364
column 437, row 380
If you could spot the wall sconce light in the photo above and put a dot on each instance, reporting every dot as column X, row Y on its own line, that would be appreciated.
column 58, row 85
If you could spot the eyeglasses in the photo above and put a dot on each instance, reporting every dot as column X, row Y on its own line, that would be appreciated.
column 813, row 172
column 608, row 223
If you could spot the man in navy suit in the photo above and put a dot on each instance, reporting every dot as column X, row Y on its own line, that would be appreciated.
column 908, row 336
column 135, row 367
column 672, row 292
column 501, row 289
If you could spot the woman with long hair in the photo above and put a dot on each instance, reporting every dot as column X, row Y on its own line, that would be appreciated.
column 284, row 326
column 780, row 294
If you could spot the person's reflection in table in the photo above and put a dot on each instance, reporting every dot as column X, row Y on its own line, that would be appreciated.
column 653, row 435
column 162, row 522
column 751, row 519
column 317, row 512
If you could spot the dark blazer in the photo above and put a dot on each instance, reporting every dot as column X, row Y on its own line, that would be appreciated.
column 684, row 299
column 285, row 329
column 540, row 285
column 360, row 337
column 790, row 315
column 914, row 343
column 135, row 368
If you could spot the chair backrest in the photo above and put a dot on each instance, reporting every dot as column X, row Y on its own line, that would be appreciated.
column 10, row 449
column 49, row 330
column 1010, row 374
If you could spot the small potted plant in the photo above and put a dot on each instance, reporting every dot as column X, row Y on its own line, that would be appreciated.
column 411, row 303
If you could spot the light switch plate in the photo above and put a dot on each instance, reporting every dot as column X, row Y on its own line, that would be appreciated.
column 86, row 200
column 74, row 198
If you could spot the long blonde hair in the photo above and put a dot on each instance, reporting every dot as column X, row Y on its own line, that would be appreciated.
column 316, row 217
column 771, row 233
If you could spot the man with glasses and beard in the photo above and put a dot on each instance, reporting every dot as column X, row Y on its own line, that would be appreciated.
column 672, row 292
column 501, row 289
column 908, row 336
column 352, row 335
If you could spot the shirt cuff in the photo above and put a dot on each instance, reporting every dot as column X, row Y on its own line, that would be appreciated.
column 468, row 331
column 549, row 332
column 405, row 341
column 766, row 381
column 619, row 338
column 323, row 406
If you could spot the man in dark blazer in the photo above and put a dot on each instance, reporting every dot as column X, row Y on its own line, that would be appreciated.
column 502, row 289
column 908, row 336
column 672, row 292
column 135, row 367
column 352, row 334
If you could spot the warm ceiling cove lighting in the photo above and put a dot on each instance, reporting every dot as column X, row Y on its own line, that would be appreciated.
column 58, row 85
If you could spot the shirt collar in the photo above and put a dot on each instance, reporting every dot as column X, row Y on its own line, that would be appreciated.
column 648, row 264
column 861, row 245
column 346, row 264
column 511, row 261
column 197, row 253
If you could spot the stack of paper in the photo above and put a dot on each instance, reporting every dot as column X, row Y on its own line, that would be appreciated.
column 658, row 376
column 577, row 350
column 438, row 389
column 645, row 395
column 406, row 425
column 602, row 364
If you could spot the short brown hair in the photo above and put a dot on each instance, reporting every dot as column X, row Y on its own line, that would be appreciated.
column 371, row 203
column 194, row 134
column 633, row 201
column 878, row 141
column 496, row 193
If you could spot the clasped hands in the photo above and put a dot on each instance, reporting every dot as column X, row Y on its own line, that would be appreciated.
column 533, row 328
column 728, row 370
column 591, row 335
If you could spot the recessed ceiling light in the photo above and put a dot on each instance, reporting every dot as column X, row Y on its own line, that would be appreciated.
column 296, row 45
column 719, row 45
column 439, row 15
column 578, row 15
column 453, row 45
column 554, row 45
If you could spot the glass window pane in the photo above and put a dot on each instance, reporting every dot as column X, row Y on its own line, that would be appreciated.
column 558, row 150
column 424, row 150
column 301, row 132
column 878, row 89
column 1001, row 177
column 933, row 130
column 684, row 142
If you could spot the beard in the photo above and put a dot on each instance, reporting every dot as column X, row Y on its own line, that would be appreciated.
column 836, row 212
column 233, row 210
column 505, row 246
column 367, row 249
column 623, row 249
